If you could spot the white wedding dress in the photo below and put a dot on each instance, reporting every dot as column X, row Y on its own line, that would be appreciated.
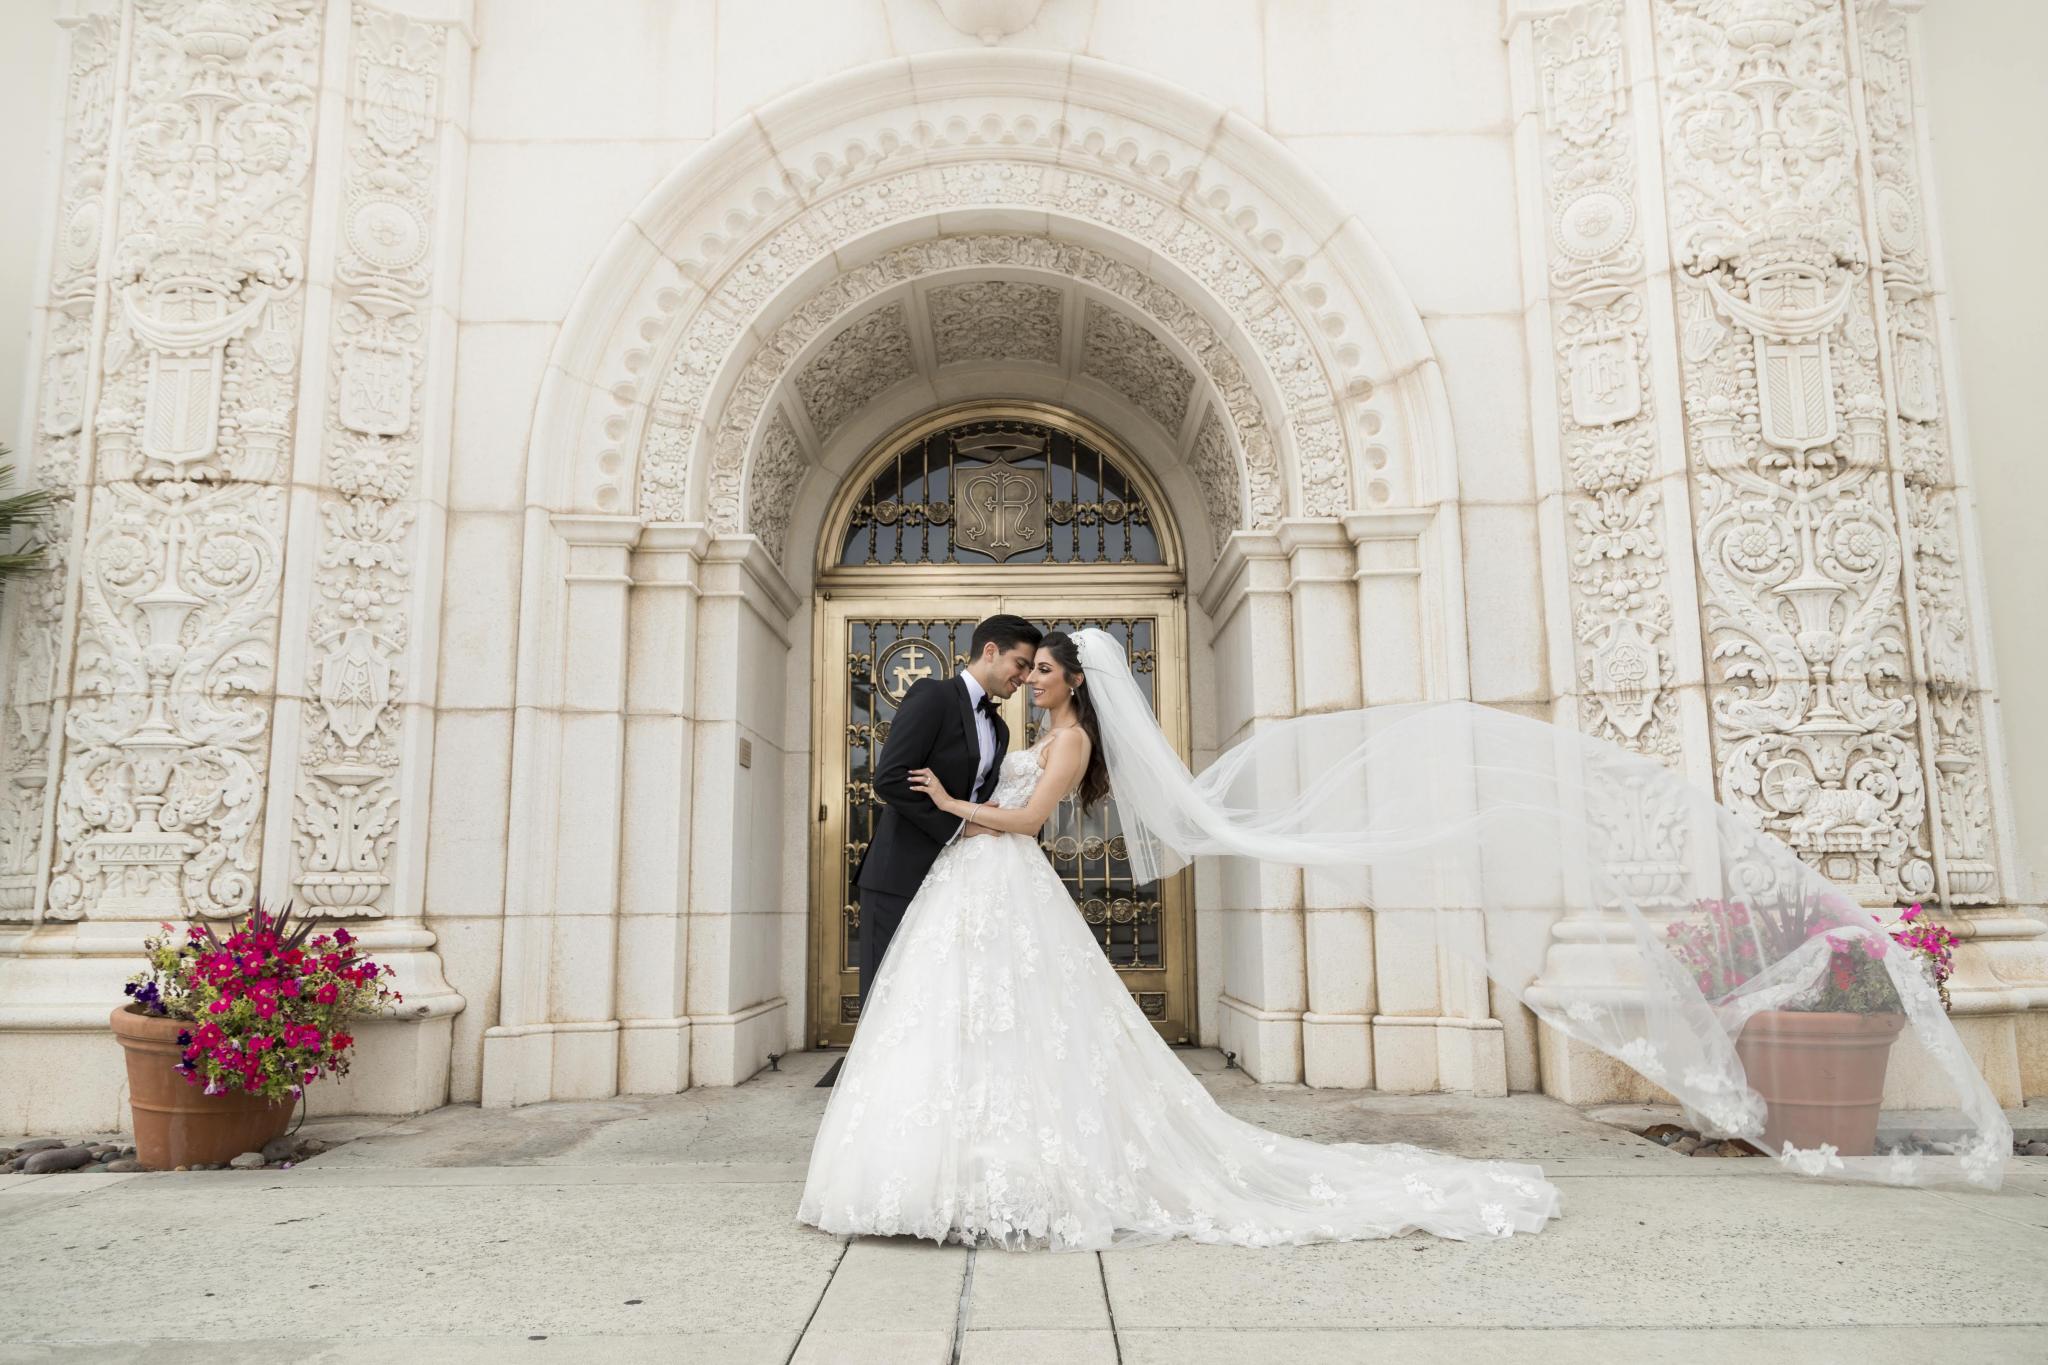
column 1004, row 1090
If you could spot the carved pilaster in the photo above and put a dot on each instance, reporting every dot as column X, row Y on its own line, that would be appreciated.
column 1616, row 570
column 1816, row 729
column 167, row 736
column 346, row 803
column 1944, row 661
column 35, row 644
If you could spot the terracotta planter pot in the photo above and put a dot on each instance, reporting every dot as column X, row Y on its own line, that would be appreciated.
column 1821, row 1074
column 176, row 1122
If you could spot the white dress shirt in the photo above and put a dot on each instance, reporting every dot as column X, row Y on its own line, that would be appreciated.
column 985, row 731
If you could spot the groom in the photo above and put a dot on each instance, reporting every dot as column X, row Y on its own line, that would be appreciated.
column 950, row 726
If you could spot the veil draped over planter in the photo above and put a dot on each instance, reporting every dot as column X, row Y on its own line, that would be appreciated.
column 1606, row 893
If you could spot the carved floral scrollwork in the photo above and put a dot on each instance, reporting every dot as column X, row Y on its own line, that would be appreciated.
column 32, row 647
column 345, row 816
column 1622, row 616
column 1815, row 723
column 167, row 737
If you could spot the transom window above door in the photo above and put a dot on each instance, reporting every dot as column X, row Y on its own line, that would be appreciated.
column 1001, row 491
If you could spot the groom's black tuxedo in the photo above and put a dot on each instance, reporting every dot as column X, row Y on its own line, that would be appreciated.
column 934, row 728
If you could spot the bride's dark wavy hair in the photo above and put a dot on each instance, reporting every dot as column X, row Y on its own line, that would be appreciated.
column 1095, row 781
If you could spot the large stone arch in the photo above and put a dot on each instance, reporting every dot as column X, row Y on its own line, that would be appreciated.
column 663, row 660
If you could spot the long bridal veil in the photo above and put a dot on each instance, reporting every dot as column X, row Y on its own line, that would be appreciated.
column 1607, row 894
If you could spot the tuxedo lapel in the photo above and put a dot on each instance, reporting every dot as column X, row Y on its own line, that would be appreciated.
column 965, row 698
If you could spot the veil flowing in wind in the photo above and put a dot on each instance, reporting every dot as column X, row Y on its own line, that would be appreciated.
column 1619, row 903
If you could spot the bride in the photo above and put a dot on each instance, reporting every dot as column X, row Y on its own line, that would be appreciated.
column 1004, row 1089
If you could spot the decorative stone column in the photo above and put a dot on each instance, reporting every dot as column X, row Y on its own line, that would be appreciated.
column 739, row 831
column 655, row 865
column 557, row 1035
column 1265, row 994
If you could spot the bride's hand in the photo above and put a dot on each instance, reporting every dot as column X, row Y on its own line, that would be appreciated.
column 926, row 781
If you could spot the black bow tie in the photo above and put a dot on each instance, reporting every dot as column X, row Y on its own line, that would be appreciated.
column 987, row 706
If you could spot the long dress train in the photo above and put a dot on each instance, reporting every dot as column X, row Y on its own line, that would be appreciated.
column 1005, row 1090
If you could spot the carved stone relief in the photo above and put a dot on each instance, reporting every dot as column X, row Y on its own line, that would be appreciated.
column 1214, row 466
column 1128, row 358
column 995, row 321
column 1621, row 614
column 868, row 356
column 33, row 646
column 711, row 331
column 345, row 811
column 167, row 743
column 1815, row 725
column 771, row 485
column 1944, row 658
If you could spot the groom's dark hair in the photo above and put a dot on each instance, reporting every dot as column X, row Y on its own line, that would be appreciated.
column 1003, row 632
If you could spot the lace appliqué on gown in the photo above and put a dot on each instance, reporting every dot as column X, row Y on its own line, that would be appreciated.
column 1005, row 1090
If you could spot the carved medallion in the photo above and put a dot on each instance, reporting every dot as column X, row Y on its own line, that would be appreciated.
column 907, row 663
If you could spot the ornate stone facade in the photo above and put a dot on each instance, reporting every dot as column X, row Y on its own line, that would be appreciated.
column 1944, row 662
column 1621, row 613
column 36, row 648
column 346, row 808
column 1818, row 713
column 995, row 321
column 167, row 739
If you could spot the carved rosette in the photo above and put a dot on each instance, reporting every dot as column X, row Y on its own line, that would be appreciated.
column 345, row 810
column 167, row 738
column 1815, row 726
column 1944, row 657
column 32, row 646
column 1621, row 613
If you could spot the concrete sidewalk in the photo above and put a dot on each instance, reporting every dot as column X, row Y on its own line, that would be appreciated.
column 663, row 1229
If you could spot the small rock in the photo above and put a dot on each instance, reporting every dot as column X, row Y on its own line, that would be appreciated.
column 105, row 1151
column 1686, row 1145
column 312, row 1147
column 1665, row 1133
column 127, row 1151
column 1942, row 1148
column 181, row 1168
column 209, row 1166
column 53, row 1159
column 2035, row 1148
column 9, row 1168
column 37, row 1145
column 277, row 1149
column 1731, row 1147
column 123, row 1166
column 248, row 1161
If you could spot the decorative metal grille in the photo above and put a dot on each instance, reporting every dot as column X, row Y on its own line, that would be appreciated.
column 1000, row 491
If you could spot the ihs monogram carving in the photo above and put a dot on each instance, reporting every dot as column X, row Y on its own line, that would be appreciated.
column 32, row 647
column 867, row 357
column 1129, row 359
column 995, row 320
column 1944, row 658
column 1815, row 726
column 1621, row 607
column 771, row 485
column 345, row 812
column 167, row 744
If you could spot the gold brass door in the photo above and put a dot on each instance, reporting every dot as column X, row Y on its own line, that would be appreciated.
column 870, row 651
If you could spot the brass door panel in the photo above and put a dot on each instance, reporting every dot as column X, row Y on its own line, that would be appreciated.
column 871, row 649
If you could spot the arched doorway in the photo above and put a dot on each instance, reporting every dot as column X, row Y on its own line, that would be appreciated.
column 979, row 508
